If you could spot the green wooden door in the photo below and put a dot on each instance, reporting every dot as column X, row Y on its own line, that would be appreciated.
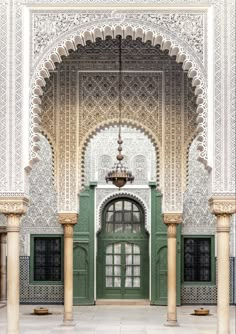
column 123, row 262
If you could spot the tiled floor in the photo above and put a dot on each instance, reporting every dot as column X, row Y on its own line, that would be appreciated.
column 119, row 319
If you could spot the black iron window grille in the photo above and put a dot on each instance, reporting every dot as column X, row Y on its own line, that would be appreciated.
column 47, row 259
column 197, row 259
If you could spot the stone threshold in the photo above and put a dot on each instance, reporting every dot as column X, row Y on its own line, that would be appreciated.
column 122, row 302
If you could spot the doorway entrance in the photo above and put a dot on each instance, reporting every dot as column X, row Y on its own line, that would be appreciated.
column 123, row 259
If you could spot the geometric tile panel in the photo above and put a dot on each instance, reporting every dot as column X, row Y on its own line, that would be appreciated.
column 198, row 295
column 37, row 294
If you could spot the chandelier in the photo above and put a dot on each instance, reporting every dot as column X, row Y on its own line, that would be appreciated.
column 119, row 174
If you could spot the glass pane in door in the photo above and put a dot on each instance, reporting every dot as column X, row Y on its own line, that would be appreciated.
column 113, row 266
column 132, row 266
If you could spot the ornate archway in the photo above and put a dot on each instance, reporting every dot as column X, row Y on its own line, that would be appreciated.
column 146, row 32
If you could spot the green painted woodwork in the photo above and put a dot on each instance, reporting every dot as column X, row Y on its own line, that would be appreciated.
column 122, row 260
column 213, row 262
column 159, row 252
column 31, row 268
column 83, row 256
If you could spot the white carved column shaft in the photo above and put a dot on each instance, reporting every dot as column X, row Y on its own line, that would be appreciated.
column 68, row 220
column 13, row 208
column 223, row 208
column 171, row 220
column 13, row 272
column 3, row 268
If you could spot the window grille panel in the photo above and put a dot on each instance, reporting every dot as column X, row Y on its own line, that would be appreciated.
column 197, row 259
column 47, row 259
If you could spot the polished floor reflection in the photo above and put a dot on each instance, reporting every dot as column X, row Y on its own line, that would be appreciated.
column 116, row 319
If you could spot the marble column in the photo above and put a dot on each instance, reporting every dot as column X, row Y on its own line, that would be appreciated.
column 68, row 220
column 223, row 208
column 171, row 220
column 3, row 268
column 13, row 208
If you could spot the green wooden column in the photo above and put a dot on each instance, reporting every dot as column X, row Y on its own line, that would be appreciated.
column 159, row 252
column 83, row 266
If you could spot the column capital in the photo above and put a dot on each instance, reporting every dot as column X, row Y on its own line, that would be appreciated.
column 13, row 205
column 172, row 218
column 68, row 218
column 222, row 205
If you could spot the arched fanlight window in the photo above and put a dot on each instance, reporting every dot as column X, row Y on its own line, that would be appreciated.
column 123, row 216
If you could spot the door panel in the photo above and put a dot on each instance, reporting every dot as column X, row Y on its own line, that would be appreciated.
column 123, row 259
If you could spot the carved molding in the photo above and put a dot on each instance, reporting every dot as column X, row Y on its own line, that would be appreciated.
column 223, row 223
column 68, row 230
column 14, row 205
column 171, row 230
column 223, row 205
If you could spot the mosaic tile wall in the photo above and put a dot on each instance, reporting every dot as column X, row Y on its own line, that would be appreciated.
column 208, row 294
column 37, row 294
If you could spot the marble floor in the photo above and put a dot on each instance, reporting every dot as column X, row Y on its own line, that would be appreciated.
column 116, row 319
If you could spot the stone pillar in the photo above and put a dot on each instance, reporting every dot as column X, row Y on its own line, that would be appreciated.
column 223, row 208
column 171, row 220
column 13, row 208
column 68, row 220
column 3, row 267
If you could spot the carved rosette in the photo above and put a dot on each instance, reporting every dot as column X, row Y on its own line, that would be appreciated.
column 68, row 220
column 172, row 220
column 223, row 208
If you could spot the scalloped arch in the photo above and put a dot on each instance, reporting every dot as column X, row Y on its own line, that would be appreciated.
column 146, row 33
column 111, row 123
column 122, row 194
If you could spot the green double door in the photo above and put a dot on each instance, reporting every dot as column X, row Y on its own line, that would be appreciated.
column 123, row 260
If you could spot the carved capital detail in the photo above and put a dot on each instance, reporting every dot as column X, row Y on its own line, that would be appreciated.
column 172, row 218
column 14, row 205
column 68, row 220
column 223, row 205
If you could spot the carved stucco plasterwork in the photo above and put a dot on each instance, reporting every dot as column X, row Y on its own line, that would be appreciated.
column 222, row 26
column 197, row 218
column 93, row 99
column 139, row 153
column 42, row 214
column 145, row 32
column 224, row 175
column 3, row 99
column 47, row 27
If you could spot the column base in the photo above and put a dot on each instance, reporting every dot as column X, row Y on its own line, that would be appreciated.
column 68, row 323
column 171, row 323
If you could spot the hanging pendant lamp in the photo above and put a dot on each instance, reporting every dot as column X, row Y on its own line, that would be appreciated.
column 119, row 174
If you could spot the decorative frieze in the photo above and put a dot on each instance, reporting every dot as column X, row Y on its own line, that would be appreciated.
column 48, row 27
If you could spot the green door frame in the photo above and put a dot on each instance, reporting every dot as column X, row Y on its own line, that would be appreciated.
column 159, row 252
column 106, row 239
